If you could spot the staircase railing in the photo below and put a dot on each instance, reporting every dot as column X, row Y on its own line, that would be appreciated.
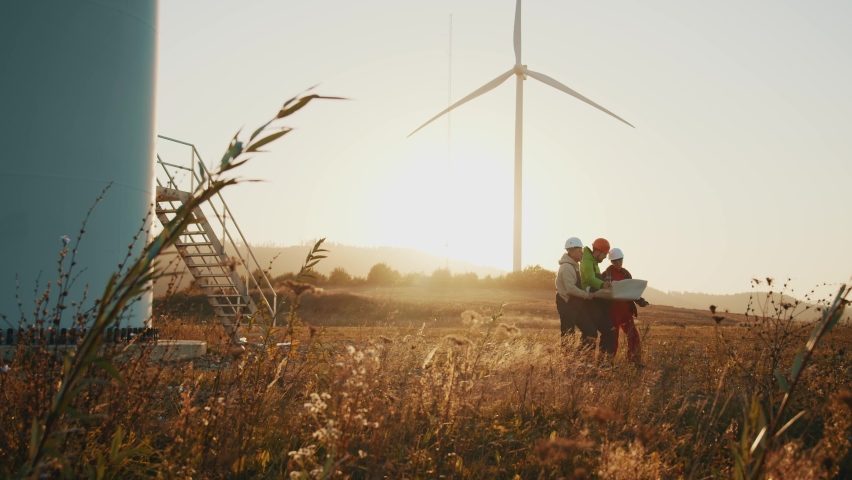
column 246, row 260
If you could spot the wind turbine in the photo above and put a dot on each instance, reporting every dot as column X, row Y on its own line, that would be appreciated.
column 521, row 72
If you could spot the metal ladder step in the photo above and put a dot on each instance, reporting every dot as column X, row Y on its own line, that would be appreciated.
column 194, row 244
column 171, row 211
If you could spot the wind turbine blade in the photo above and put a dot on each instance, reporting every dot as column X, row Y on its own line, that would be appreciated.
column 555, row 84
column 483, row 89
column 517, row 37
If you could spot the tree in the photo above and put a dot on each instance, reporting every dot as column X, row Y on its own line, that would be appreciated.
column 441, row 277
column 382, row 274
column 534, row 276
column 467, row 279
column 339, row 276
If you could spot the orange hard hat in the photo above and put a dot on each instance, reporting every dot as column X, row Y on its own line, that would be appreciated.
column 601, row 244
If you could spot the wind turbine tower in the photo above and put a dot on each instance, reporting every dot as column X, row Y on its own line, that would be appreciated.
column 77, row 96
column 521, row 72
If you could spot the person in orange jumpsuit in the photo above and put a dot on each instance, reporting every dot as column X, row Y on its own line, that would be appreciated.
column 621, row 312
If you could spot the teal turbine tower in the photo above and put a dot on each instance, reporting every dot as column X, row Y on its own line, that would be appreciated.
column 77, row 111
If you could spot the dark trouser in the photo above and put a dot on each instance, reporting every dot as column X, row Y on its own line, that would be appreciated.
column 573, row 314
column 567, row 316
column 597, row 312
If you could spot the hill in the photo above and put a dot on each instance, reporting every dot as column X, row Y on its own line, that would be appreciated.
column 358, row 261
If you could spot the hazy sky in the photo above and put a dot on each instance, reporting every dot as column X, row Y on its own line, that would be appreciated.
column 738, row 166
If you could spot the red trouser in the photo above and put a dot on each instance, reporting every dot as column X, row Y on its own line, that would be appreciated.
column 622, row 319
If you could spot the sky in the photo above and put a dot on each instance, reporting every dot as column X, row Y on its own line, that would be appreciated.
column 737, row 168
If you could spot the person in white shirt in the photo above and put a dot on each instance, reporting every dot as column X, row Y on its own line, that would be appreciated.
column 570, row 296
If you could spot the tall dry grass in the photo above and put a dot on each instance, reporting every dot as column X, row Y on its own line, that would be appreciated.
column 482, row 400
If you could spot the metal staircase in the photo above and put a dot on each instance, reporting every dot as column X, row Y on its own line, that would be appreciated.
column 228, row 277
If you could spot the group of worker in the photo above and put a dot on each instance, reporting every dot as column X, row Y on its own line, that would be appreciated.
column 580, row 305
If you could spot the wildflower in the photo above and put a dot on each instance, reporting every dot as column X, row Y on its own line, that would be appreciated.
column 65, row 240
column 317, row 404
column 718, row 319
column 303, row 453
column 330, row 431
column 4, row 368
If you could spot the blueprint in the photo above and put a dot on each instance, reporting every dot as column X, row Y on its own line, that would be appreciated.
column 624, row 290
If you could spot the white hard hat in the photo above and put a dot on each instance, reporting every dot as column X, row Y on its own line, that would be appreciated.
column 615, row 254
column 573, row 242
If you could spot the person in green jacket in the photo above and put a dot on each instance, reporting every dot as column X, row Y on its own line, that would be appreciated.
column 597, row 309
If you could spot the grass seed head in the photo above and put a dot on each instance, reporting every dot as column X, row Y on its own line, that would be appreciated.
column 296, row 289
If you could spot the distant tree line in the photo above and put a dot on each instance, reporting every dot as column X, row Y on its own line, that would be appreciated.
column 383, row 275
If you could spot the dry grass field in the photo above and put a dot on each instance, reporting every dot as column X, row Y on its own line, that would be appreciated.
column 382, row 383
column 423, row 383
